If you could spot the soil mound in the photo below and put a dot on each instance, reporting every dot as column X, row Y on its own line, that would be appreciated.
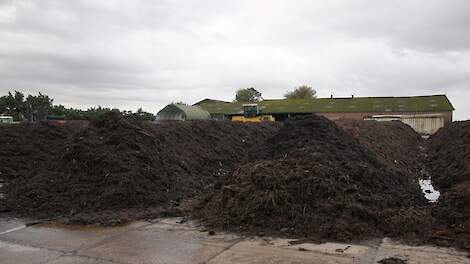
column 395, row 143
column 310, row 179
column 449, row 155
column 115, row 163
column 27, row 146
column 208, row 150
column 107, row 165
column 453, row 213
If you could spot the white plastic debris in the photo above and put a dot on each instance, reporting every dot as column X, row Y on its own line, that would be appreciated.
column 428, row 190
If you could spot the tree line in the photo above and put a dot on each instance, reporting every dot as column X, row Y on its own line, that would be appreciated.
column 40, row 107
column 251, row 95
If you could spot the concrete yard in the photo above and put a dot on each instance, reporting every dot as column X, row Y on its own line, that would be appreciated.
column 168, row 241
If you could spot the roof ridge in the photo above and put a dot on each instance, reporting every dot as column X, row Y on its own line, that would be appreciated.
column 355, row 97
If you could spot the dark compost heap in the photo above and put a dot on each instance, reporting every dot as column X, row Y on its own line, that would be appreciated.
column 114, row 163
column 449, row 155
column 308, row 178
column 311, row 179
column 395, row 143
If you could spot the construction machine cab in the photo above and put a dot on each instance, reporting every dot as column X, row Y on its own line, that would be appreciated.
column 252, row 113
column 251, row 110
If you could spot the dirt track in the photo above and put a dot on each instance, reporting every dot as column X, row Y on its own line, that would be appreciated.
column 309, row 178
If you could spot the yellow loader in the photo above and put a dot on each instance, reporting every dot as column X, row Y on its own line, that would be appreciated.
column 252, row 113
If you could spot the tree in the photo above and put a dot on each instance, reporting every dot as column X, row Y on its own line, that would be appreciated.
column 69, row 113
column 5, row 105
column 37, row 107
column 33, row 108
column 250, row 95
column 13, row 105
column 179, row 103
column 141, row 115
column 302, row 92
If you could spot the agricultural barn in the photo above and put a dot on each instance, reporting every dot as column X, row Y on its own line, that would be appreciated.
column 179, row 112
column 429, row 113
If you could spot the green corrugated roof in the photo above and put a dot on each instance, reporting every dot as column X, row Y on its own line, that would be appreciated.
column 192, row 112
column 431, row 103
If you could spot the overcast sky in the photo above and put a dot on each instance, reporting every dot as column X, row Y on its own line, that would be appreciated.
column 131, row 54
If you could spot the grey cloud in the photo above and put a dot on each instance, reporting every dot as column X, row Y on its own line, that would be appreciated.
column 148, row 53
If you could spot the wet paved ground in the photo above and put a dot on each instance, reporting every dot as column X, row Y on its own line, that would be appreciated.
column 166, row 241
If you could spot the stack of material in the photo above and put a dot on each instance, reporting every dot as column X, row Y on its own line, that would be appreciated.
column 395, row 143
column 114, row 163
column 311, row 179
column 449, row 155
column 449, row 163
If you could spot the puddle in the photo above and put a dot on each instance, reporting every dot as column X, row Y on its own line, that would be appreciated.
column 428, row 190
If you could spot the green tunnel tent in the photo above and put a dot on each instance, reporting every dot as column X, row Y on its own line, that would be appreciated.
column 179, row 112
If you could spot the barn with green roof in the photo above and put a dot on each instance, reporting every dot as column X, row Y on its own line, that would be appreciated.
column 341, row 107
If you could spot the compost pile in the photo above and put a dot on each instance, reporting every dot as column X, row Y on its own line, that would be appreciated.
column 307, row 178
column 449, row 163
column 311, row 179
column 449, row 155
column 452, row 214
column 26, row 146
column 207, row 150
column 395, row 143
column 115, row 163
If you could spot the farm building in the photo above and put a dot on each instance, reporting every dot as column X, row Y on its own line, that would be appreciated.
column 179, row 112
column 435, row 109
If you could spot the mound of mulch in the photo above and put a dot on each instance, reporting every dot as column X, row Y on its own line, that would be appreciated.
column 311, row 179
column 449, row 167
column 452, row 212
column 115, row 163
column 449, row 155
column 308, row 178
column 26, row 146
column 208, row 150
column 395, row 143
